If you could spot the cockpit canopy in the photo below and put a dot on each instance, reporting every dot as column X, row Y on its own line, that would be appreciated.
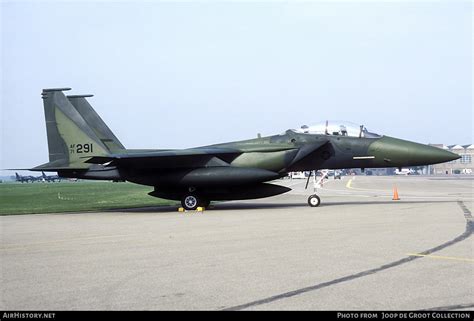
column 337, row 128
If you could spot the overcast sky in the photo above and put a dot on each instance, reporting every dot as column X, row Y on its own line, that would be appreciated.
column 177, row 75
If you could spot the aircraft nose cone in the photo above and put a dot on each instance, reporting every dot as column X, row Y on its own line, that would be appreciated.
column 433, row 155
column 398, row 152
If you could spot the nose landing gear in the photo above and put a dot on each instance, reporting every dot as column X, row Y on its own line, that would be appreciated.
column 314, row 200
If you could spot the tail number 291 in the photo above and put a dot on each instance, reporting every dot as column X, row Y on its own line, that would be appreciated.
column 82, row 148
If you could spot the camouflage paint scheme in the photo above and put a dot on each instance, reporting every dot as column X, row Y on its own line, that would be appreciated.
column 82, row 146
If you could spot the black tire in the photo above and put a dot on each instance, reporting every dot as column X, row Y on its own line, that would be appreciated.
column 314, row 200
column 190, row 202
column 204, row 203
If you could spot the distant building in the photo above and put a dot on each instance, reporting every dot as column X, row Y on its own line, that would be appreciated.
column 463, row 165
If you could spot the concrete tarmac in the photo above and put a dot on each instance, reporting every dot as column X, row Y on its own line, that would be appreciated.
column 359, row 250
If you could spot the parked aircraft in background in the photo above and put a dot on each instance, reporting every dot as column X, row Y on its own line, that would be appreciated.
column 42, row 178
column 27, row 179
column 50, row 178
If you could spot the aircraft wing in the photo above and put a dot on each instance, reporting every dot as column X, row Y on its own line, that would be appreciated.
column 194, row 157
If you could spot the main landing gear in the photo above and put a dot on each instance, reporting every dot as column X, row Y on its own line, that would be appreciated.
column 190, row 202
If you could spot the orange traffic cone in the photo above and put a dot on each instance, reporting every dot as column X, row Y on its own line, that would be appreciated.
column 395, row 194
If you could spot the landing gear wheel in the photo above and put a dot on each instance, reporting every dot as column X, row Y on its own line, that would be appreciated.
column 314, row 200
column 190, row 202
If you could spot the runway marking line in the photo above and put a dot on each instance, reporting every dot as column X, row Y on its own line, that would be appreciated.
column 438, row 257
column 348, row 185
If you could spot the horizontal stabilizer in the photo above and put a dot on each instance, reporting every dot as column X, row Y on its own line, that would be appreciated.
column 55, row 166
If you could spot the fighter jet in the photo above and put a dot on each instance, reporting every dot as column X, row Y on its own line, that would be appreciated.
column 82, row 146
column 26, row 179
column 49, row 178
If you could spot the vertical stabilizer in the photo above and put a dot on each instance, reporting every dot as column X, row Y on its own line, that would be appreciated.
column 96, row 123
column 71, row 140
